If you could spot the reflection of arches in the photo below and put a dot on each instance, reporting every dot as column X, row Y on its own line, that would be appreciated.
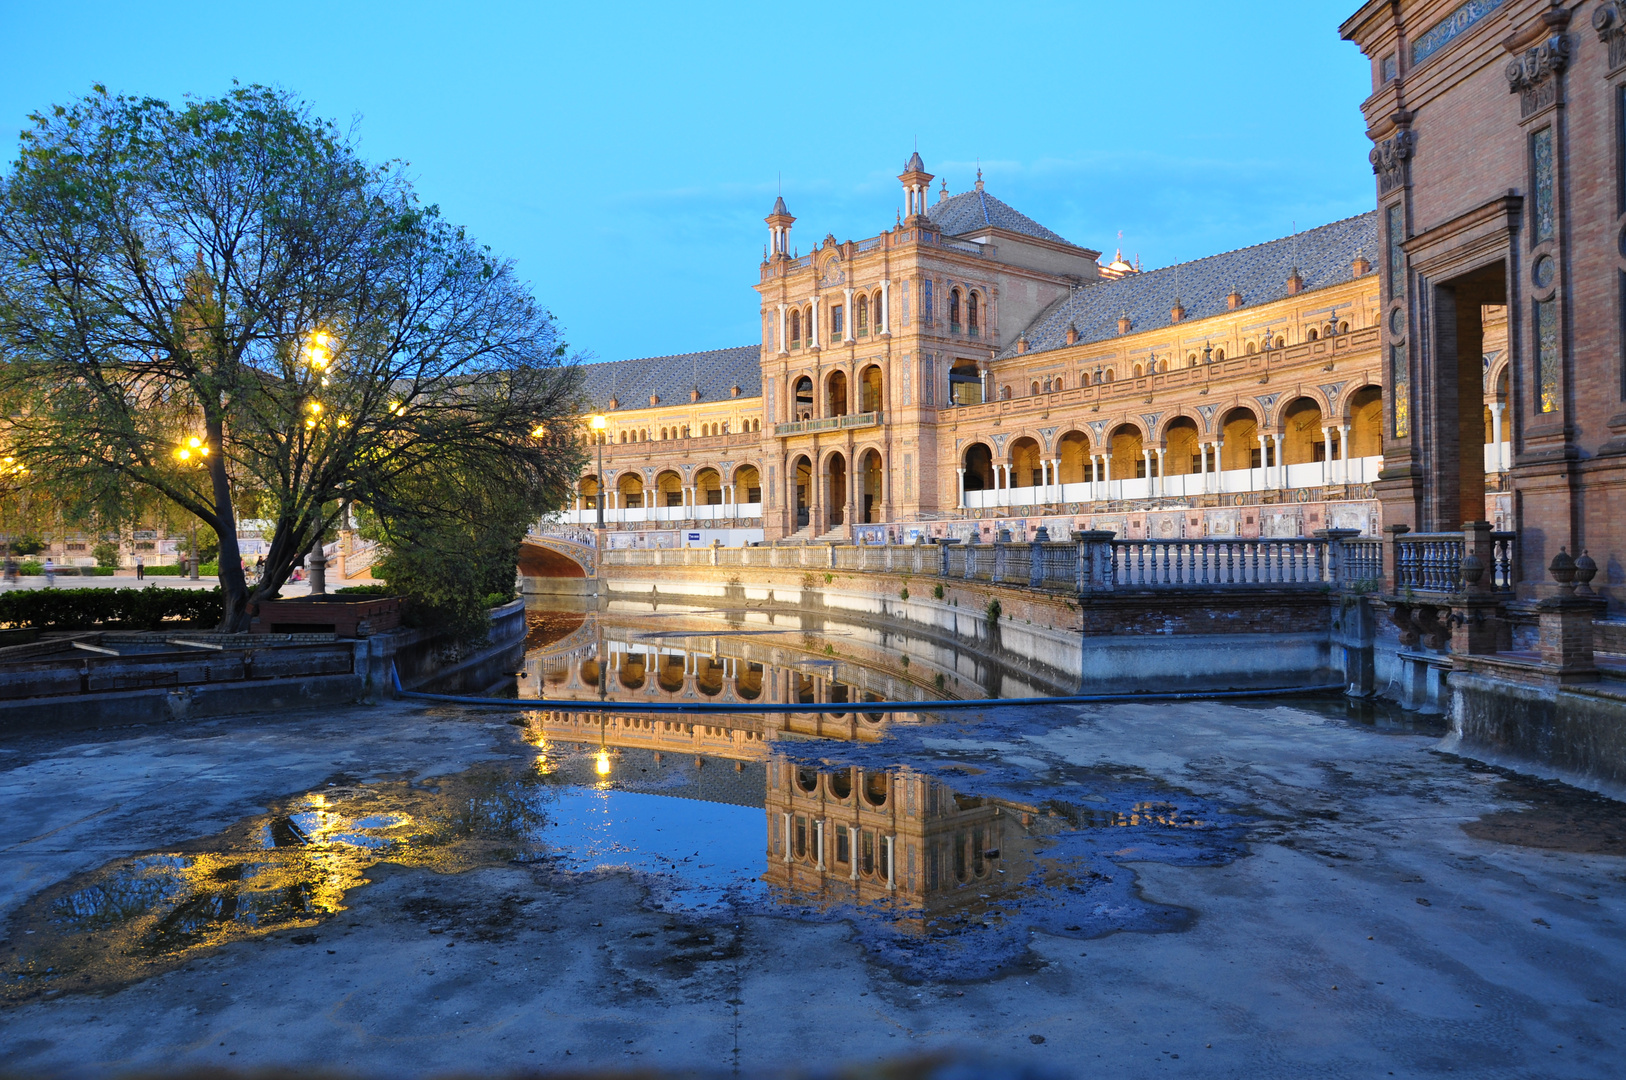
column 870, row 386
column 670, row 673
column 589, row 672
column 840, row 784
column 669, row 489
column 708, row 676
column 807, row 780
column 1127, row 461
column 1074, row 451
column 748, row 681
column 1025, row 468
column 835, row 394
column 1181, row 457
column 1366, row 422
column 1301, row 428
column 1239, row 430
column 876, row 787
column 747, row 484
column 630, row 488
column 632, row 671
column 870, row 501
column 979, row 467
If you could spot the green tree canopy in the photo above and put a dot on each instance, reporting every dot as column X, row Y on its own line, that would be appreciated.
column 224, row 303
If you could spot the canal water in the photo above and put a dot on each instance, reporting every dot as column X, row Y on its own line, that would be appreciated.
column 944, row 840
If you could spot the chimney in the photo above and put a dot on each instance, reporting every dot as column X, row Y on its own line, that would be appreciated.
column 1295, row 283
column 1123, row 323
column 734, row 391
column 1178, row 312
column 1233, row 301
column 654, row 399
column 1360, row 267
column 694, row 395
column 1022, row 344
column 1072, row 334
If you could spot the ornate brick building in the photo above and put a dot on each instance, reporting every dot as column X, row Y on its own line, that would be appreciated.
column 1498, row 132
column 969, row 371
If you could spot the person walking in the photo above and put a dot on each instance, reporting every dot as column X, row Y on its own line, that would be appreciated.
column 11, row 569
column 50, row 572
column 141, row 567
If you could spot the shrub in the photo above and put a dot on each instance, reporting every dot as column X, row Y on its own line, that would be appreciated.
column 903, row 594
column 27, row 545
column 107, row 555
column 937, row 592
column 496, row 599
column 81, row 609
column 358, row 592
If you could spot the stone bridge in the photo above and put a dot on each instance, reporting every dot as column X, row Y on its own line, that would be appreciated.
column 551, row 562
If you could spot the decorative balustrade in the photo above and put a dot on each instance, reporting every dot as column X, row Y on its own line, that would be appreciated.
column 1098, row 562
column 1429, row 562
column 829, row 423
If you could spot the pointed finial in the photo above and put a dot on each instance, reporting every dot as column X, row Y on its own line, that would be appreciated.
column 979, row 175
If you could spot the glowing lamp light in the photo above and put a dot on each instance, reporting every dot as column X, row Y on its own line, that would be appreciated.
column 599, row 423
column 538, row 431
column 601, row 763
column 194, row 442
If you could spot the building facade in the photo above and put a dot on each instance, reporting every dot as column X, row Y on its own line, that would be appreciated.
column 1499, row 129
column 969, row 372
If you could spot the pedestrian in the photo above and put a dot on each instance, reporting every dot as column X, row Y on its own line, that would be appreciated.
column 11, row 569
column 141, row 567
column 50, row 572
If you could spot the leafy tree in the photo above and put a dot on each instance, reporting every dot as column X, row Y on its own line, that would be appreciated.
column 223, row 303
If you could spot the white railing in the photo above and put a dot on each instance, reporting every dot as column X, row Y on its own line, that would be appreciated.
column 1186, row 485
column 718, row 512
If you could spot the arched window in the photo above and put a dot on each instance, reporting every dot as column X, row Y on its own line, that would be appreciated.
column 879, row 311
column 861, row 315
column 1005, row 393
column 954, row 308
column 1033, row 390
column 1343, row 328
column 1139, row 371
column 796, row 328
column 1163, row 365
column 1281, row 343
column 1057, row 387
column 1219, row 354
column 1252, row 348
column 1110, row 376
column 1191, row 360
column 971, row 321
column 1312, row 335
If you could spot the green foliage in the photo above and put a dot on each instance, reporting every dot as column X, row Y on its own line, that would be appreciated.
column 231, row 270
column 903, row 594
column 107, row 555
column 83, row 609
column 360, row 591
column 207, row 570
column 993, row 612
column 937, row 591
column 27, row 545
column 905, row 660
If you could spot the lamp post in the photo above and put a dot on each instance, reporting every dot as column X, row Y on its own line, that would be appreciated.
column 184, row 453
column 598, row 424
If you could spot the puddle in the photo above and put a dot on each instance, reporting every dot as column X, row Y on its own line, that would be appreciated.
column 1555, row 817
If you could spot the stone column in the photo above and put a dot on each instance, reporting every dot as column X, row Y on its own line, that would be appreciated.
column 1281, row 465
column 818, row 833
column 1219, row 465
column 813, row 336
column 1264, row 465
column 960, row 489
column 1343, row 453
column 1055, row 479
column 1496, row 434
column 886, row 306
column 1146, row 456
column 852, row 852
column 788, row 839
column 1162, row 488
column 847, row 318
column 1326, row 454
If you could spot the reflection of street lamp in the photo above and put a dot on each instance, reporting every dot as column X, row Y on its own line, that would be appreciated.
column 601, row 760
column 598, row 424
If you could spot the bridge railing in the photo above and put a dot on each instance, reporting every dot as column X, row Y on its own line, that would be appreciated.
column 1090, row 562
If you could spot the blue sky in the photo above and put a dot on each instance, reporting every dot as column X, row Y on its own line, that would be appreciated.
column 625, row 154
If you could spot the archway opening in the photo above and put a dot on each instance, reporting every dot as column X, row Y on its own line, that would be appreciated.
column 836, row 394
column 708, row 488
column 871, row 509
column 1303, row 441
column 1128, row 463
column 1074, row 451
column 871, row 389
column 979, row 467
column 588, row 490
column 669, row 485
column 747, row 484
column 1366, row 422
column 630, row 491
column 1026, row 469
column 804, row 491
column 1240, row 432
column 1181, row 456
column 965, row 383
column 804, row 399
column 836, row 490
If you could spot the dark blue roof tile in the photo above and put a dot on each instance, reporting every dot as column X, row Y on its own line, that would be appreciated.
column 716, row 372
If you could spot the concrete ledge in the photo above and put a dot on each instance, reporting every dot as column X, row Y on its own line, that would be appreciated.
column 161, row 705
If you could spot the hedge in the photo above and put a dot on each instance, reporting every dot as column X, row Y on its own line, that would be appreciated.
column 82, row 609
column 34, row 568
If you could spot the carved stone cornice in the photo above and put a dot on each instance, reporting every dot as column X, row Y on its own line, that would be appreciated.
column 1608, row 21
column 1533, row 75
column 1389, row 159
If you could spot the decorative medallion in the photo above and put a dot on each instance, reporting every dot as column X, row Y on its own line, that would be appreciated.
column 1207, row 412
column 1151, row 422
column 1048, row 434
column 1331, row 390
column 833, row 274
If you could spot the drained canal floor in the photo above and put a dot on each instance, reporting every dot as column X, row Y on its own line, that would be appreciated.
column 1216, row 889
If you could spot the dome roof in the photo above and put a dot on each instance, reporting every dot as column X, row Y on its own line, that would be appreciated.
column 914, row 163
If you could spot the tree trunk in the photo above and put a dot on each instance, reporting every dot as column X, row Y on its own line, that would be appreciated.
column 234, row 618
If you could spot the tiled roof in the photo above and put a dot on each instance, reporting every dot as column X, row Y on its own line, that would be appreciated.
column 715, row 371
column 914, row 164
column 1323, row 256
column 779, row 207
column 973, row 210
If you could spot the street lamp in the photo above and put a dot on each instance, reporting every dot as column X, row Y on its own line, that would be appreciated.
column 598, row 423
column 185, row 452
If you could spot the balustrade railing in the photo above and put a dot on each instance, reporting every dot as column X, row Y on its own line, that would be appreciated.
column 1094, row 562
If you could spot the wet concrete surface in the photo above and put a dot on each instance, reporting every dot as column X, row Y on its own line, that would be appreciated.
column 1355, row 903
